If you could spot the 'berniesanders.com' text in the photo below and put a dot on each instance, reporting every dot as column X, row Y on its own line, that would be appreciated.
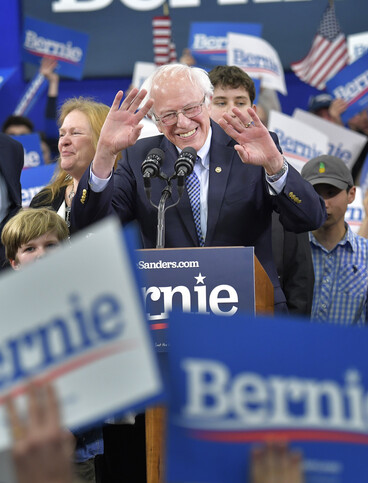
column 161, row 264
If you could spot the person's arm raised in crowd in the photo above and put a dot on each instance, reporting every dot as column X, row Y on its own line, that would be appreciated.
column 121, row 129
column 42, row 449
column 47, row 69
column 337, row 107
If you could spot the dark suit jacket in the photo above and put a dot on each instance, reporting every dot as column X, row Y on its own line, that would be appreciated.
column 293, row 258
column 11, row 165
column 39, row 200
column 239, row 204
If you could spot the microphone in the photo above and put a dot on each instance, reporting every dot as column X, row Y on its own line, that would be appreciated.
column 184, row 166
column 151, row 167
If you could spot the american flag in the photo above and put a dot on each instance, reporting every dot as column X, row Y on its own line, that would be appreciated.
column 328, row 54
column 163, row 47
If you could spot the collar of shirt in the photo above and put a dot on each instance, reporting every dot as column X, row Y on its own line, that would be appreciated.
column 204, row 152
column 347, row 239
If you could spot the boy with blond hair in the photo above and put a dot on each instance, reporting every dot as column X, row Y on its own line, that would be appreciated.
column 30, row 233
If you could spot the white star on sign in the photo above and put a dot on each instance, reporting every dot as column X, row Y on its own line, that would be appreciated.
column 200, row 278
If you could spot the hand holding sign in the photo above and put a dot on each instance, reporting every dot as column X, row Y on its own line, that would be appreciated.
column 121, row 129
column 337, row 107
column 255, row 145
column 275, row 463
column 42, row 448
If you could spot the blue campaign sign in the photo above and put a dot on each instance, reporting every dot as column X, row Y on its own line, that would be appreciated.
column 216, row 281
column 264, row 380
column 351, row 83
column 257, row 85
column 208, row 40
column 88, row 337
column 33, row 180
column 5, row 74
column 32, row 149
column 67, row 46
column 363, row 179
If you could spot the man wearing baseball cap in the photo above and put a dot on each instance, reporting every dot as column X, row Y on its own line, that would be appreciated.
column 340, row 257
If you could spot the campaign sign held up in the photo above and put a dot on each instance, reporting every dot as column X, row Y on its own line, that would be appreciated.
column 33, row 180
column 216, row 281
column 208, row 40
column 5, row 74
column 344, row 143
column 351, row 83
column 300, row 142
column 264, row 379
column 75, row 318
column 258, row 59
column 357, row 45
column 67, row 46
column 32, row 149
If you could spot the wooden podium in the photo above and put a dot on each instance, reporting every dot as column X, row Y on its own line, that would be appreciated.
column 156, row 417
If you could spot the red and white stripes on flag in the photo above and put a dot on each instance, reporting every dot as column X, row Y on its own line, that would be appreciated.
column 328, row 55
column 164, row 50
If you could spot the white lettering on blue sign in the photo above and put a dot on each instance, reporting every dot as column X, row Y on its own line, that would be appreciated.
column 29, row 193
column 142, row 5
column 58, row 50
column 218, row 399
column 160, row 264
column 221, row 300
column 354, row 88
column 60, row 338
column 209, row 42
column 255, row 61
column 359, row 50
column 31, row 159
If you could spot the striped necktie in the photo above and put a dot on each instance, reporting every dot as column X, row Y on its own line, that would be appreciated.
column 194, row 193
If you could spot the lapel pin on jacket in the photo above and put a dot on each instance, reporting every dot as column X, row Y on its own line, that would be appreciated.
column 84, row 196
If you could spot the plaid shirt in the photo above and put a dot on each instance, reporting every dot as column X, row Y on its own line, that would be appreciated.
column 341, row 280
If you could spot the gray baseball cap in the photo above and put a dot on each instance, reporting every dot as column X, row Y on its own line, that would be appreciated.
column 328, row 169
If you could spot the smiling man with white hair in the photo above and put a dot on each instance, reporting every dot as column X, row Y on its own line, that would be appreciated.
column 241, row 173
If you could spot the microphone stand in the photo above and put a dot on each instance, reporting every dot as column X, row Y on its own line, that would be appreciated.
column 161, row 208
column 166, row 194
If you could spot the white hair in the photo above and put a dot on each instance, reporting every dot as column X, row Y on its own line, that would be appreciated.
column 198, row 77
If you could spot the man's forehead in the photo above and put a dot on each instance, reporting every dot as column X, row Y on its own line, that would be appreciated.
column 167, row 83
column 222, row 91
column 176, row 95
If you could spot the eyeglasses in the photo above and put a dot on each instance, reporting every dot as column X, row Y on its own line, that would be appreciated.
column 189, row 112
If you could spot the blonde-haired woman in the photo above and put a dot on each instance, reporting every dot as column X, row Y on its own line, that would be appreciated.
column 80, row 122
